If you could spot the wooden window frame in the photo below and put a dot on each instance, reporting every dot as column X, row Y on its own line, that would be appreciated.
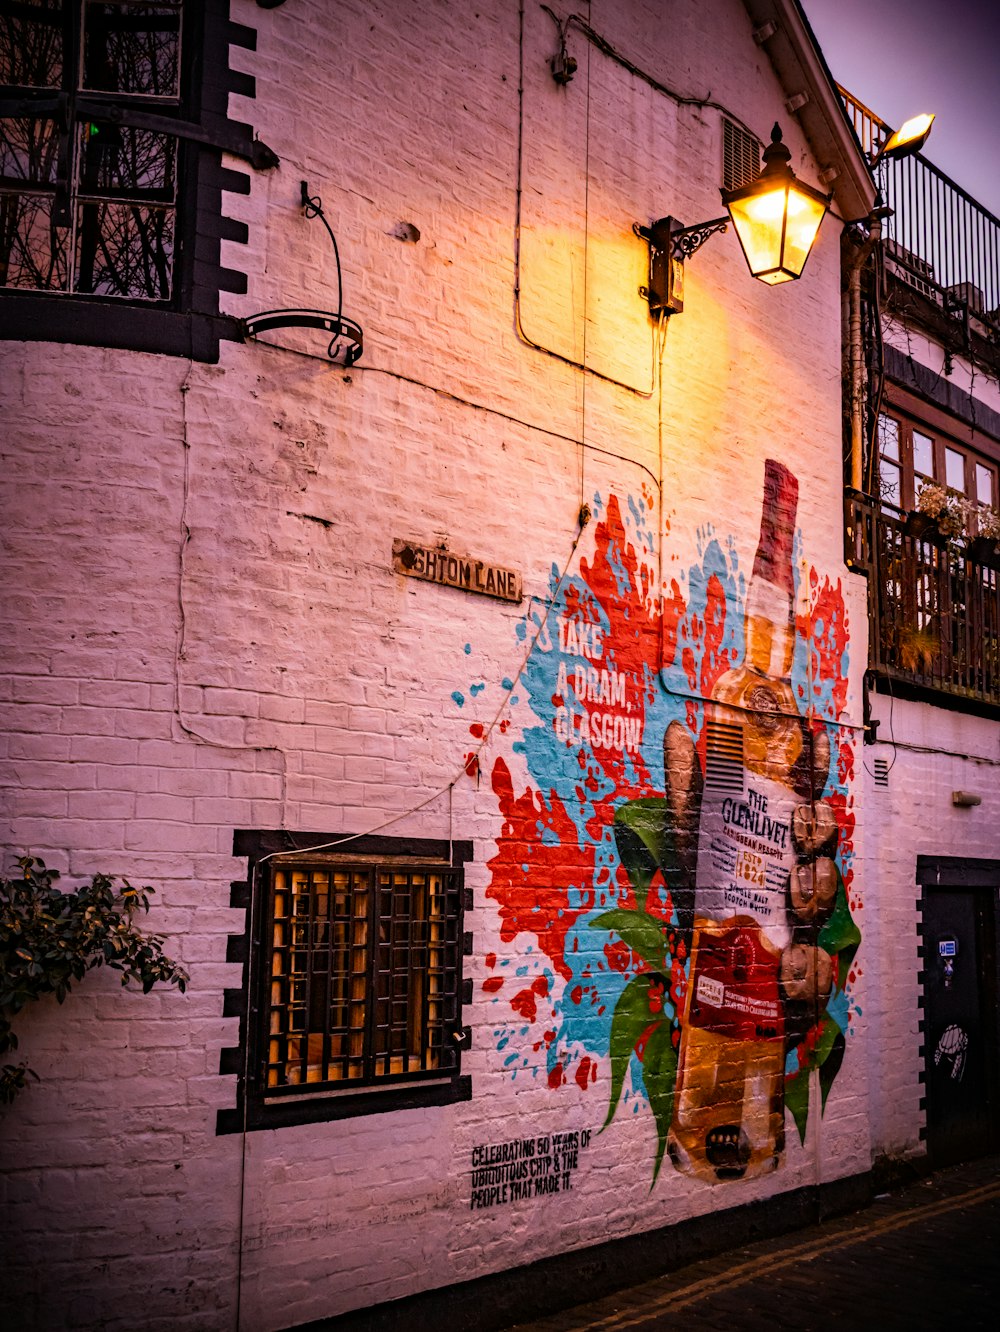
column 945, row 433
column 332, row 1053
column 189, row 323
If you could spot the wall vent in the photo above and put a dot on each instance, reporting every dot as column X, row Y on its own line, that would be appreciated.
column 881, row 772
column 740, row 156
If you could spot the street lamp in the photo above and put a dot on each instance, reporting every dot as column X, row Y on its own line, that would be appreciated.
column 907, row 140
column 776, row 218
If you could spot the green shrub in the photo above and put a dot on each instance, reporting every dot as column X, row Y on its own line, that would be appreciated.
column 50, row 939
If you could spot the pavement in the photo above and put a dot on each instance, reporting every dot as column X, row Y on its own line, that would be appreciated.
column 921, row 1257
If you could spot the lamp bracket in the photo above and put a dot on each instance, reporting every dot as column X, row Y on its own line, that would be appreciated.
column 669, row 245
column 687, row 240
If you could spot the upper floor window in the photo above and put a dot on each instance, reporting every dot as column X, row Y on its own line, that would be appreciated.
column 89, row 198
column 912, row 454
column 110, row 169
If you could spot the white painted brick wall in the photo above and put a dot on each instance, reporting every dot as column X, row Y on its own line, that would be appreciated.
column 930, row 753
column 266, row 670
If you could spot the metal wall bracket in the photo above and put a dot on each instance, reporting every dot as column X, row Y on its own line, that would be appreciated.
column 346, row 338
column 669, row 245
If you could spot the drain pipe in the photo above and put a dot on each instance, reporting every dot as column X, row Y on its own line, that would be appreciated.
column 861, row 239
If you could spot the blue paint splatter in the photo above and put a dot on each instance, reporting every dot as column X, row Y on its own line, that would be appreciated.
column 458, row 698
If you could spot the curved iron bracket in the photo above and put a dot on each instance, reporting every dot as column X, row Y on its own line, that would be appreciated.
column 346, row 341
column 346, row 337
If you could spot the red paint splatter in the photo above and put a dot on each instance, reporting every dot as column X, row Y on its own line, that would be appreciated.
column 619, row 956
column 586, row 1073
column 556, row 1077
column 492, row 983
column 827, row 632
column 478, row 730
column 673, row 608
column 640, row 1045
column 539, row 855
column 714, row 659
column 491, row 960
column 524, row 1001
column 531, row 877
column 472, row 764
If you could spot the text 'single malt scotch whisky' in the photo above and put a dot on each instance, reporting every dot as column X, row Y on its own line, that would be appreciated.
column 728, row 1120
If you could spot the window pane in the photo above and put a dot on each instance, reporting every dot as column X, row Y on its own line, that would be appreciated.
column 132, row 48
column 31, row 44
column 954, row 469
column 889, row 483
column 32, row 251
column 984, row 484
column 888, row 437
column 124, row 250
column 29, row 150
column 923, row 454
column 135, row 162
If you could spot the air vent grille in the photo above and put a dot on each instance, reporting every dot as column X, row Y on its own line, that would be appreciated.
column 740, row 156
column 724, row 757
column 881, row 772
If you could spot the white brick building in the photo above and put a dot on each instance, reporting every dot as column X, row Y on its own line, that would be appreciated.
column 220, row 656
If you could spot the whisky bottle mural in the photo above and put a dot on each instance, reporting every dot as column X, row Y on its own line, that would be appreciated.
column 708, row 954
column 728, row 1109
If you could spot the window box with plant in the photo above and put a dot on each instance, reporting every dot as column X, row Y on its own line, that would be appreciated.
column 984, row 546
column 940, row 515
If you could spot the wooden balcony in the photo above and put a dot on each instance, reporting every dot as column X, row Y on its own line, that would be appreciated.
column 933, row 608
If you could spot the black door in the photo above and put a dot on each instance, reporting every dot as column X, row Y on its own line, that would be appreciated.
column 960, row 1021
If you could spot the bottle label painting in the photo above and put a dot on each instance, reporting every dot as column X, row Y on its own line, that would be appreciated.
column 673, row 883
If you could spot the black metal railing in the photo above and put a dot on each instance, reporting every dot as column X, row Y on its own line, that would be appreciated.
column 939, row 239
column 933, row 605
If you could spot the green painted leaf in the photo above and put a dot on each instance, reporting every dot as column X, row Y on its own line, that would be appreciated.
column 659, row 1072
column 840, row 931
column 645, row 935
column 631, row 1018
column 797, row 1100
column 831, row 1063
column 645, row 842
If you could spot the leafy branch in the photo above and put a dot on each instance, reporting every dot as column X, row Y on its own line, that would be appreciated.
column 639, row 1024
column 50, row 939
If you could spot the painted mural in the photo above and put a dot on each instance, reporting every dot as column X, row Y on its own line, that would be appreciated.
column 674, row 878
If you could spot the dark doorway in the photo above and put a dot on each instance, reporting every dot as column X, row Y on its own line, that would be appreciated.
column 960, row 1006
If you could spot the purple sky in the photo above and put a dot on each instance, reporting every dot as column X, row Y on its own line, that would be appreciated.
column 900, row 57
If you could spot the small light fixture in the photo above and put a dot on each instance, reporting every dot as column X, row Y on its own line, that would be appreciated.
column 776, row 218
column 908, row 139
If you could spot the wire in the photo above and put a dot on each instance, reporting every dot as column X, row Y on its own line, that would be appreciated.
column 312, row 206
column 525, row 337
column 180, row 639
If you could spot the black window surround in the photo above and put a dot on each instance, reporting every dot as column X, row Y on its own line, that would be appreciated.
column 195, row 124
column 352, row 993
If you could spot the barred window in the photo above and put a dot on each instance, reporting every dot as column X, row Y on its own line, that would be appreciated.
column 363, row 973
column 355, row 986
